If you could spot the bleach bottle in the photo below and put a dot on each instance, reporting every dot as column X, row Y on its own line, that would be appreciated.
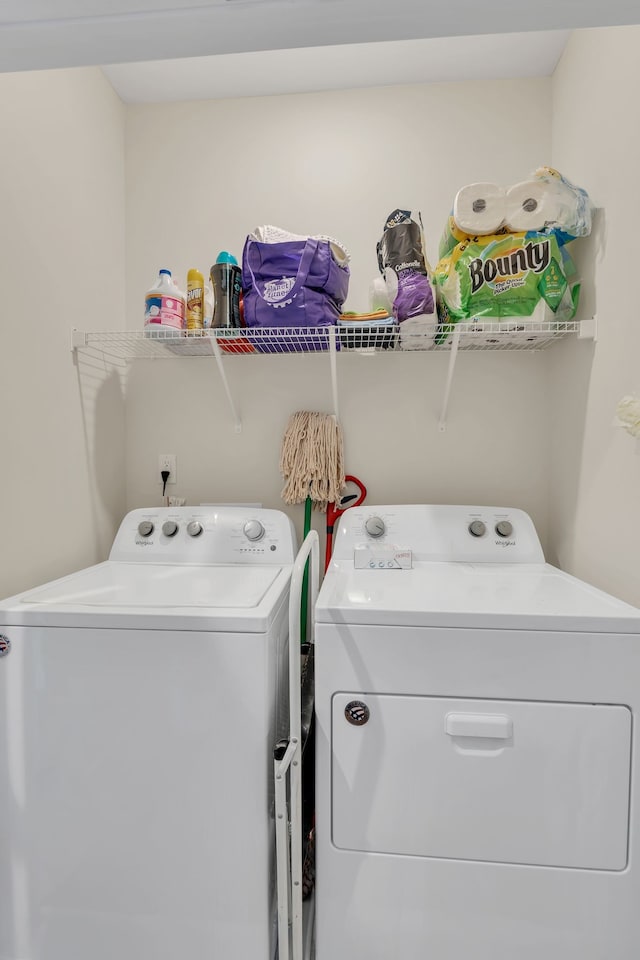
column 164, row 306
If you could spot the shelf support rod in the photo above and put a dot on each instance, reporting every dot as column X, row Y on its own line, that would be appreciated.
column 334, row 370
column 237, row 423
column 453, row 356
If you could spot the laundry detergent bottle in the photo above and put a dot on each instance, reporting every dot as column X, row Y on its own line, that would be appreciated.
column 226, row 280
column 164, row 311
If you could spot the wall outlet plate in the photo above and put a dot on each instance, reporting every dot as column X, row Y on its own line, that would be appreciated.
column 167, row 461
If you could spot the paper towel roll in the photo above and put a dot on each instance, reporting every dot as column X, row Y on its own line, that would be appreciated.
column 479, row 208
column 531, row 205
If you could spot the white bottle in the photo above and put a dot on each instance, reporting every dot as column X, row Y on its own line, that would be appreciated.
column 208, row 305
column 165, row 307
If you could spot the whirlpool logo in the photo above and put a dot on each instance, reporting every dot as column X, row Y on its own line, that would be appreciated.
column 5, row 645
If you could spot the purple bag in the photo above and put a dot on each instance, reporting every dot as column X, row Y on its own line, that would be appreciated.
column 295, row 283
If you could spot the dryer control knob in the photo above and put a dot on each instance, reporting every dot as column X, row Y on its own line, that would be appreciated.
column 477, row 528
column 194, row 528
column 145, row 528
column 504, row 528
column 375, row 527
column 169, row 528
column 253, row 530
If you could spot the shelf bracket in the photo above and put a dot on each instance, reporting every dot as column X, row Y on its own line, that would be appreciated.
column 334, row 370
column 588, row 329
column 453, row 356
column 78, row 340
column 237, row 423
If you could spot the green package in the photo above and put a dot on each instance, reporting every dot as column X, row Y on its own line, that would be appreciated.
column 503, row 276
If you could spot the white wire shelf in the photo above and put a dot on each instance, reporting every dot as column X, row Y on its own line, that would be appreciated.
column 475, row 335
column 120, row 347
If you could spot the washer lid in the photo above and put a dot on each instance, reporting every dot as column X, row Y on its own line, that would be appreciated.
column 234, row 597
column 486, row 595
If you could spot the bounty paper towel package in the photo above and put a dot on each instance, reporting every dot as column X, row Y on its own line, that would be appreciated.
column 519, row 272
column 508, row 276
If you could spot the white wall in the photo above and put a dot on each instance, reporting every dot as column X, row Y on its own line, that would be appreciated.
column 201, row 175
column 533, row 430
column 62, row 266
column 595, row 467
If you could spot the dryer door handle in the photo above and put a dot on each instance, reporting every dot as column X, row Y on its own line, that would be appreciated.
column 485, row 725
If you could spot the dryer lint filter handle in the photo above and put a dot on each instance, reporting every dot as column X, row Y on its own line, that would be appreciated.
column 381, row 558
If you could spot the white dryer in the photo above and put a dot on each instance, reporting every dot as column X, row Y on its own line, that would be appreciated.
column 477, row 770
column 140, row 701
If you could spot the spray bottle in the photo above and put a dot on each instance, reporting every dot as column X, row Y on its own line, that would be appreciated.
column 195, row 300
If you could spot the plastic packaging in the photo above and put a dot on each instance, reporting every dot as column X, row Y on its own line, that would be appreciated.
column 164, row 306
column 528, row 276
column 572, row 205
column 379, row 296
column 404, row 267
column 522, row 275
column 226, row 280
column 545, row 203
column 195, row 300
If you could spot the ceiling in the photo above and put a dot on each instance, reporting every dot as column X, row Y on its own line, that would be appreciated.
column 348, row 66
column 193, row 49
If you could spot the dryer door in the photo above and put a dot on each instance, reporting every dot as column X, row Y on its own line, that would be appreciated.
column 504, row 781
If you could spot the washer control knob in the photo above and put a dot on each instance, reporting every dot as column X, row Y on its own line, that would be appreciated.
column 194, row 528
column 145, row 528
column 253, row 530
column 375, row 527
column 169, row 528
column 477, row 528
column 504, row 528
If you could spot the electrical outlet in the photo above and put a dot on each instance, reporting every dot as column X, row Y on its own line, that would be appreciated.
column 167, row 461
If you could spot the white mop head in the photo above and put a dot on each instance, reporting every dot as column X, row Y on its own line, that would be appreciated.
column 312, row 459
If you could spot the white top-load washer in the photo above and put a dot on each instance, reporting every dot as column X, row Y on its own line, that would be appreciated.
column 140, row 701
column 477, row 769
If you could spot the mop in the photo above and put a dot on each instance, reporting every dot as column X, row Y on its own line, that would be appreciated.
column 312, row 465
column 312, row 460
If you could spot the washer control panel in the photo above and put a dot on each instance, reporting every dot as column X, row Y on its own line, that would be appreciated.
column 206, row 535
column 437, row 532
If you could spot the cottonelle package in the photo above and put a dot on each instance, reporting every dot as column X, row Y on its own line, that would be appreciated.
column 407, row 278
column 402, row 263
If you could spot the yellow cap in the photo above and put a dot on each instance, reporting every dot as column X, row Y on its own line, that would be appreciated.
column 194, row 276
